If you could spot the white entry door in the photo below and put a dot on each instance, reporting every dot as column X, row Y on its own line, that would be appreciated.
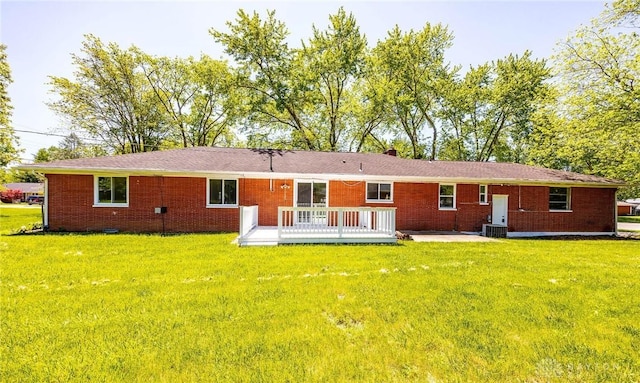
column 311, row 194
column 500, row 209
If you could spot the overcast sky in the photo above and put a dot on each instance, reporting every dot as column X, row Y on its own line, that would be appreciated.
column 41, row 35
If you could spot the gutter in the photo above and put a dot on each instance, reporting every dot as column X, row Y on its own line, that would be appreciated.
column 321, row 176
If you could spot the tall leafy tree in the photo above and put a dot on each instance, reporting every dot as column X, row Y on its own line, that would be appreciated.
column 368, row 117
column 596, row 117
column 415, row 73
column 9, row 145
column 271, row 79
column 335, row 60
column 487, row 114
column 197, row 97
column 110, row 98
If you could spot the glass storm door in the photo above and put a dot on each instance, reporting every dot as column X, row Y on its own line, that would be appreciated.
column 311, row 194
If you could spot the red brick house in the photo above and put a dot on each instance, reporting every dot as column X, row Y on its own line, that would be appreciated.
column 228, row 189
column 625, row 208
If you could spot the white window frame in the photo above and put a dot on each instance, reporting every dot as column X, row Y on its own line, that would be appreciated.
column 568, row 209
column 378, row 200
column 96, row 191
column 223, row 205
column 485, row 194
column 440, row 207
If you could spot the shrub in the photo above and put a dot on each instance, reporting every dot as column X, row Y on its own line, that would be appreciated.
column 10, row 195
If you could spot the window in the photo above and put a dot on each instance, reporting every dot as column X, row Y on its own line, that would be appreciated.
column 111, row 191
column 559, row 198
column 447, row 196
column 380, row 192
column 483, row 195
column 223, row 192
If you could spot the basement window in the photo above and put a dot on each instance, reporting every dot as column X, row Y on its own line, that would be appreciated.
column 559, row 199
column 379, row 192
column 111, row 191
column 222, row 193
column 447, row 196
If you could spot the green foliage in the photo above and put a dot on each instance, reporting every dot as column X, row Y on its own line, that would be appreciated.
column 487, row 114
column 623, row 13
column 334, row 60
column 198, row 98
column 271, row 79
column 69, row 148
column 26, row 176
column 9, row 143
column 592, row 125
column 197, row 308
column 110, row 99
column 415, row 75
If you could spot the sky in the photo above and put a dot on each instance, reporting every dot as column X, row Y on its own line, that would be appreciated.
column 41, row 36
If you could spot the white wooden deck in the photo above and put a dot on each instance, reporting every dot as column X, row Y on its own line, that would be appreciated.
column 321, row 225
column 268, row 236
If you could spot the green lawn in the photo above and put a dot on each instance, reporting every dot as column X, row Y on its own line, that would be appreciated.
column 631, row 219
column 197, row 308
column 14, row 216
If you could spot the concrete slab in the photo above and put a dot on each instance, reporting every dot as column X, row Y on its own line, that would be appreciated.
column 629, row 226
column 439, row 236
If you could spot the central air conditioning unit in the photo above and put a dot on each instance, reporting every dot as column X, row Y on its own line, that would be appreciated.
column 494, row 231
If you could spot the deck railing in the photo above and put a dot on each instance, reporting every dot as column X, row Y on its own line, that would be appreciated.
column 336, row 221
column 248, row 219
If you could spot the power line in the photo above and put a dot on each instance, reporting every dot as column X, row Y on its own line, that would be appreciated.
column 40, row 133
column 56, row 135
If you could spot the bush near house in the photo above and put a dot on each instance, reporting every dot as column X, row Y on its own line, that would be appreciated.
column 10, row 195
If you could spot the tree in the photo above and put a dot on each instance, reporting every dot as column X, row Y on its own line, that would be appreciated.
column 9, row 144
column 334, row 60
column 487, row 115
column 69, row 148
column 595, row 119
column 271, row 81
column 415, row 75
column 197, row 98
column 110, row 99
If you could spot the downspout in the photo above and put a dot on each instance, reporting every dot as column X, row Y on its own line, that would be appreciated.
column 45, row 206
column 615, row 212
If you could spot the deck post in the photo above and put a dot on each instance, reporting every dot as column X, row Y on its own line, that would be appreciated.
column 340, row 222
column 280, row 210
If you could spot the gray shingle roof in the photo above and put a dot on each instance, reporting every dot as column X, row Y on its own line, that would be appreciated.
column 338, row 164
column 26, row 187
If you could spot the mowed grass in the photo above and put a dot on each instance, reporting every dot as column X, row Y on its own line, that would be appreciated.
column 14, row 216
column 630, row 219
column 198, row 308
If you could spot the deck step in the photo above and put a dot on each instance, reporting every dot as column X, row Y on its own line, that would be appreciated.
column 258, row 243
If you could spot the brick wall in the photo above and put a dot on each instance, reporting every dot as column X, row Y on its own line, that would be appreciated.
column 268, row 195
column 71, row 206
column 592, row 210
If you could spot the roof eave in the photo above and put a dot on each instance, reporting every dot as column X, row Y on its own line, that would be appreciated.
column 338, row 177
